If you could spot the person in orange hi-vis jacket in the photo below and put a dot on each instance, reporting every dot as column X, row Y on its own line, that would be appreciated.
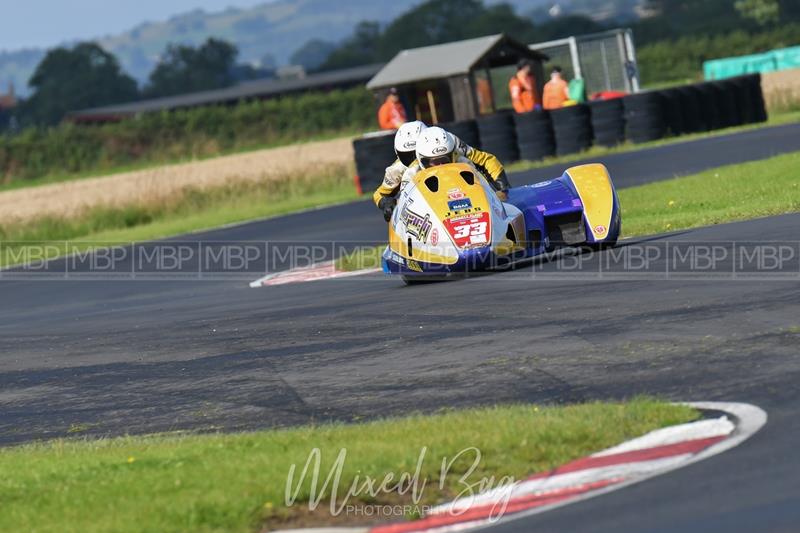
column 391, row 115
column 556, row 91
column 523, row 88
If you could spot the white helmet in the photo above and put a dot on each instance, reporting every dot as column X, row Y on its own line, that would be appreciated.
column 405, row 141
column 435, row 147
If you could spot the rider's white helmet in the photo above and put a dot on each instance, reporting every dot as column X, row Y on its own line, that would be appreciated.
column 435, row 147
column 405, row 141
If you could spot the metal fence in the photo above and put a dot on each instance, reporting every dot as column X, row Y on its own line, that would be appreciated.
column 605, row 61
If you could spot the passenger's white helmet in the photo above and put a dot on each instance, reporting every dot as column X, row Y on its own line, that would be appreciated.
column 435, row 147
column 405, row 141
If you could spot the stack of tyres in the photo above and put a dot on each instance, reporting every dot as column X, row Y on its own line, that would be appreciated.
column 534, row 135
column 572, row 128
column 644, row 117
column 498, row 136
column 709, row 107
column 466, row 130
column 608, row 121
column 673, row 112
column 756, row 97
column 691, row 111
column 373, row 153
column 726, row 98
column 745, row 104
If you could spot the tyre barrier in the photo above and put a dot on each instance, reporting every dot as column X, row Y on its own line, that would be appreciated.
column 691, row 111
column 373, row 153
column 741, row 93
column 535, row 139
column 572, row 129
column 608, row 122
column 639, row 117
column 709, row 107
column 729, row 113
column 644, row 116
column 498, row 136
column 466, row 130
column 673, row 114
column 756, row 97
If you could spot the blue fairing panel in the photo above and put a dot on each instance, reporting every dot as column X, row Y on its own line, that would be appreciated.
column 544, row 199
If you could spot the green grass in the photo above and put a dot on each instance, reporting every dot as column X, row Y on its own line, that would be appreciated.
column 776, row 119
column 360, row 259
column 725, row 194
column 237, row 482
column 193, row 210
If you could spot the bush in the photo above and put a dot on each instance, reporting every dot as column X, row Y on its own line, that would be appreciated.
column 682, row 59
column 182, row 134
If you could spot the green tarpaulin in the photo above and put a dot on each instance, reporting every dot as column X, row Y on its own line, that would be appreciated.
column 783, row 59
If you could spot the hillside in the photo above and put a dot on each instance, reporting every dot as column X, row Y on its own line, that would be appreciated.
column 272, row 31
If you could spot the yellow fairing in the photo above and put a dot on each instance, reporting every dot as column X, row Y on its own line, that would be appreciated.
column 399, row 246
column 597, row 195
column 450, row 179
column 449, row 182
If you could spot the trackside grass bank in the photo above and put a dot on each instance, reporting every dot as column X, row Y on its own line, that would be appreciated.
column 190, row 210
column 724, row 194
column 237, row 482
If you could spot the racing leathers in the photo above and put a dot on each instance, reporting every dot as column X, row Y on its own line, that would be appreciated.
column 385, row 195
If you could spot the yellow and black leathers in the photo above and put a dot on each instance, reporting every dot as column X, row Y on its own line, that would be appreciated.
column 484, row 161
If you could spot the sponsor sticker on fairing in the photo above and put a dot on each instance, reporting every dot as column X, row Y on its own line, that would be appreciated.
column 455, row 194
column 469, row 231
column 434, row 237
column 413, row 265
column 459, row 205
column 416, row 225
column 397, row 258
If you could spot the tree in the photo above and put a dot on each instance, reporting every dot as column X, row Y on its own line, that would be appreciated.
column 185, row 69
column 312, row 54
column 764, row 12
column 433, row 22
column 361, row 48
column 77, row 78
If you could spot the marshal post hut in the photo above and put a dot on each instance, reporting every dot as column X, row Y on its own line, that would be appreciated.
column 456, row 81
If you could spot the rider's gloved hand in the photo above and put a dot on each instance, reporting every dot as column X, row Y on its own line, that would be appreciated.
column 387, row 205
column 502, row 185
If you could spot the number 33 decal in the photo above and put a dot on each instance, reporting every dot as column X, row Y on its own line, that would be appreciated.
column 470, row 230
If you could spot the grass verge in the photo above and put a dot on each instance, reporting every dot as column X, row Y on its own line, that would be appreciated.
column 724, row 194
column 190, row 210
column 237, row 482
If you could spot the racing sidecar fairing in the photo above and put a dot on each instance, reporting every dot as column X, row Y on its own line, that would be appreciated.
column 449, row 220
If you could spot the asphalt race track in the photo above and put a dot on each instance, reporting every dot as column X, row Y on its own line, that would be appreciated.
column 123, row 356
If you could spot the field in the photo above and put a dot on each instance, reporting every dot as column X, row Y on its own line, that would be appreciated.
column 159, row 185
column 782, row 90
column 237, row 482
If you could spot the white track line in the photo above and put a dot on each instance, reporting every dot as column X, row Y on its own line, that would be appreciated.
column 319, row 271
